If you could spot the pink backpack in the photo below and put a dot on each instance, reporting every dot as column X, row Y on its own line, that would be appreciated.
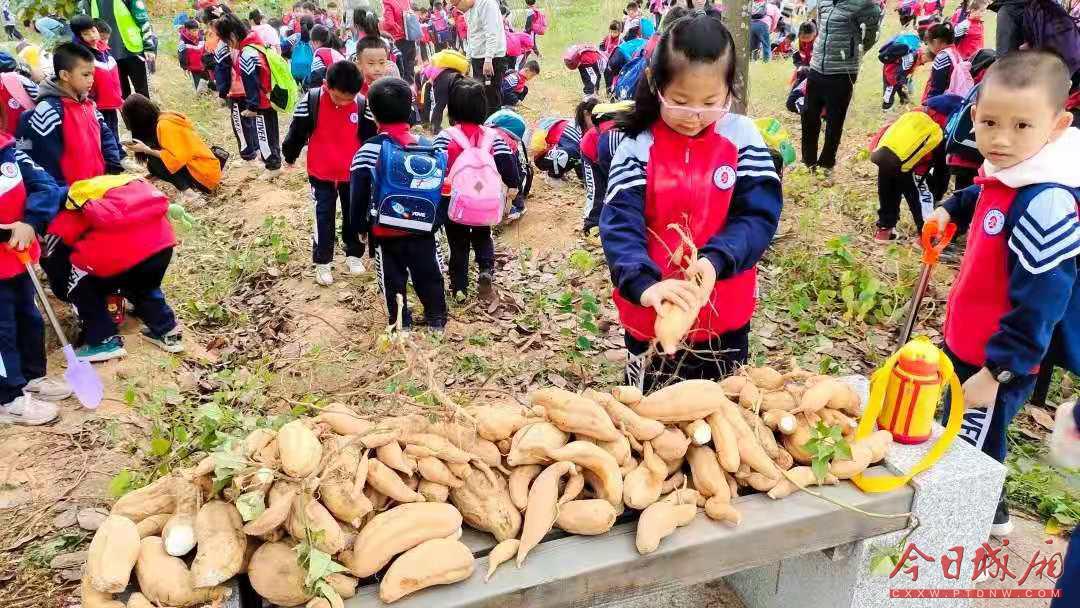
column 960, row 81
column 539, row 23
column 476, row 188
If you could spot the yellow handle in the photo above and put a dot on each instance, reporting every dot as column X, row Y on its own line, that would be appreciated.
column 879, row 382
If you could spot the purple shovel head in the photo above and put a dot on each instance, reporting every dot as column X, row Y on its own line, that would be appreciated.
column 83, row 379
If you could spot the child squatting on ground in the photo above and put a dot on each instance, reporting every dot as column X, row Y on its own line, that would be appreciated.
column 1014, row 304
column 723, row 189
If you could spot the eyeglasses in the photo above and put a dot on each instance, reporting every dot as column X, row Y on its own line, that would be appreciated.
column 682, row 112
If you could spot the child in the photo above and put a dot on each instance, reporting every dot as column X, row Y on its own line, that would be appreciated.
column 899, row 57
column 939, row 45
column 438, row 94
column 324, row 57
column 627, row 50
column 327, row 121
column 807, row 35
column 231, row 91
column 190, row 50
column 598, row 145
column 251, row 70
column 106, row 89
column 10, row 23
column 515, row 84
column 784, row 47
column 440, row 22
column 511, row 128
column 968, row 30
column 398, row 255
column 963, row 157
column 17, row 93
column 64, row 134
column 732, row 213
column 373, row 60
column 561, row 144
column 589, row 62
column 1014, row 304
column 467, row 112
column 535, row 25
column 115, row 234
column 614, row 35
column 266, row 31
column 25, row 208
column 635, row 18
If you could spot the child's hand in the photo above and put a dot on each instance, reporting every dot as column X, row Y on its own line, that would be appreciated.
column 22, row 235
column 980, row 390
column 248, row 114
column 940, row 217
column 703, row 270
column 680, row 293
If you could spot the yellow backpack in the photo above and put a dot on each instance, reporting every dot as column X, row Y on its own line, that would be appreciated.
column 452, row 60
column 906, row 142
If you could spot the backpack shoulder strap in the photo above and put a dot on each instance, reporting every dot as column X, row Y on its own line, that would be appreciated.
column 458, row 137
column 487, row 138
column 313, row 97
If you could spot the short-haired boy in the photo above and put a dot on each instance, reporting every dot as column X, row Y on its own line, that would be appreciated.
column 326, row 120
column 190, row 51
column 1015, row 302
column 65, row 134
column 515, row 84
column 106, row 90
column 398, row 255
column 373, row 59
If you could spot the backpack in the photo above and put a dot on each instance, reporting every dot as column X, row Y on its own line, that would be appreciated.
column 572, row 56
column 283, row 89
column 1047, row 25
column 15, row 89
column 629, row 76
column 413, row 32
column 301, row 58
column 960, row 81
column 906, row 142
column 898, row 46
column 539, row 23
column 960, row 130
column 476, row 192
column 451, row 60
column 758, row 9
column 409, row 187
column 510, row 121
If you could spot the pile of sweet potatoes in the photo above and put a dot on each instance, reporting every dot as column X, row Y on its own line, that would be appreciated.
column 390, row 496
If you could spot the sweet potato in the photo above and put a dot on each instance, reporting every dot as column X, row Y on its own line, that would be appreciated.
column 708, row 476
column 658, row 521
column 392, row 456
column 396, row 530
column 835, row 418
column 520, row 479
column 763, row 433
column 484, row 503
column 435, row 562
column 672, row 483
column 593, row 458
column 343, row 584
column 112, row 554
column 671, row 445
column 221, row 544
column 309, row 515
column 733, row 385
column 541, row 511
column 343, row 420
column 151, row 526
column 499, row 554
column 92, row 598
column 387, row 482
column 760, row 482
column 257, row 440
column 682, row 402
column 433, row 492
column 299, row 448
column 750, row 450
column 495, row 423
column 639, row 427
column 166, row 580
column 794, row 442
column 441, row 447
column 719, row 509
column 433, row 469
column 586, row 517
column 784, row 460
column 685, row 496
column 154, row 499
column 861, row 455
column 280, row 501
column 818, row 396
column 619, row 449
column 781, row 400
column 796, row 479
column 138, row 600
column 630, row 465
column 750, row 396
column 342, row 487
column 765, row 377
column 724, row 441
column 642, row 486
column 276, row 575
column 779, row 420
column 574, row 413
column 179, row 532
column 673, row 323
column 530, row 444
column 879, row 442
column 628, row 395
column 846, row 400
column 575, row 483
column 698, row 431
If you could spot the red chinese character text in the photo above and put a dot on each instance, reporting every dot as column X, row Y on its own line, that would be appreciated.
column 912, row 570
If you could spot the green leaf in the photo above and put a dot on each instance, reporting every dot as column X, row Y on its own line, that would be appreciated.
column 120, row 484
column 812, row 446
column 835, row 434
column 160, row 446
column 820, row 467
column 583, row 343
column 842, row 450
column 211, row 411
column 250, row 505
column 129, row 395
column 881, row 565
column 319, row 565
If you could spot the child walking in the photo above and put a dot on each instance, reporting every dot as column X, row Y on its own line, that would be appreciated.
column 231, row 90
column 106, row 89
column 466, row 109
column 1015, row 301
column 399, row 255
column 725, row 192
column 324, row 57
column 327, row 121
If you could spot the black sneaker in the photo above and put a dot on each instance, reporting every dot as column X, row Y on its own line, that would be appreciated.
column 1002, row 525
column 484, row 287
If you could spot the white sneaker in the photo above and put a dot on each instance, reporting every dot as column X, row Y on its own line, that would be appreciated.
column 323, row 275
column 270, row 174
column 49, row 389
column 355, row 264
column 28, row 411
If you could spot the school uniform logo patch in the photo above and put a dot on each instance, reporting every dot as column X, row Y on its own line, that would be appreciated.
column 14, row 105
column 354, row 118
column 993, row 222
column 724, row 177
column 9, row 170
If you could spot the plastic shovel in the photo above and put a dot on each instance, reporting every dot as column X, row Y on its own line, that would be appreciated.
column 934, row 241
column 80, row 375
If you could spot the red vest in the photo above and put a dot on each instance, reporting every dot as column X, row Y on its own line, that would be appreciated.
column 13, row 107
column 12, row 208
column 980, row 294
column 236, row 85
column 334, row 141
column 82, row 157
column 106, row 91
column 690, row 181
column 590, row 142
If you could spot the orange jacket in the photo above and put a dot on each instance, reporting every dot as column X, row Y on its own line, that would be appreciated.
column 182, row 147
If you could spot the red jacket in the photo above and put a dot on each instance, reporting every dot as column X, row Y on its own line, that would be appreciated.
column 393, row 21
column 12, row 209
column 13, row 107
column 106, row 91
column 194, row 47
column 113, row 234
column 972, row 41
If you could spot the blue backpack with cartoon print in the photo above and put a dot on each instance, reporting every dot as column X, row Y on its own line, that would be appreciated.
column 409, row 192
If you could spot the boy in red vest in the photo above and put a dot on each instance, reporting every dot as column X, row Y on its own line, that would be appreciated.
column 191, row 49
column 65, row 134
column 327, row 121
column 515, row 85
column 106, row 90
column 1015, row 302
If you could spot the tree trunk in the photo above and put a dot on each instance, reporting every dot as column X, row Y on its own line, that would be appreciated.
column 737, row 19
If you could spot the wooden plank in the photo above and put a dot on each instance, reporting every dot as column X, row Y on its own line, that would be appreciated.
column 583, row 571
